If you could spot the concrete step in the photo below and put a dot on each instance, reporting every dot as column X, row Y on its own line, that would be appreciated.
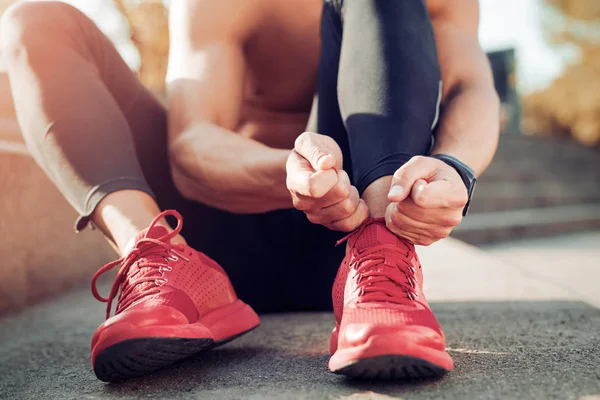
column 530, row 172
column 491, row 227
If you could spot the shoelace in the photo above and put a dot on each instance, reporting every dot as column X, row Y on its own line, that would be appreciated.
column 371, row 285
column 152, row 256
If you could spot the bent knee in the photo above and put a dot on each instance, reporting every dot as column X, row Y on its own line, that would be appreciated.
column 27, row 23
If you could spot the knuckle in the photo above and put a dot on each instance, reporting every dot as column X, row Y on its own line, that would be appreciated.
column 302, row 204
column 389, row 223
column 291, row 184
column 423, row 240
column 401, row 207
column 302, row 139
column 452, row 220
column 313, row 217
column 314, row 191
column 343, row 190
column 348, row 207
column 395, row 229
column 427, row 242
column 314, row 187
column 396, row 218
column 463, row 198
column 345, row 225
column 441, row 233
column 421, row 199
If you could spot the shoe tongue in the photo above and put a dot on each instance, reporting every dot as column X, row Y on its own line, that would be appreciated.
column 155, row 232
column 376, row 234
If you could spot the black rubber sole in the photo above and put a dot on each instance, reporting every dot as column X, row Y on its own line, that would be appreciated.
column 390, row 367
column 137, row 357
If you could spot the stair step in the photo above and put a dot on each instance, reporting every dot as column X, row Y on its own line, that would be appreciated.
column 480, row 228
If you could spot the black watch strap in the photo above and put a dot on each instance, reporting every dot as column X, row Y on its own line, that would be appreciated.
column 466, row 174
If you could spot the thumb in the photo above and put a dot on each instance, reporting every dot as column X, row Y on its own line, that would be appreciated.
column 418, row 168
column 321, row 151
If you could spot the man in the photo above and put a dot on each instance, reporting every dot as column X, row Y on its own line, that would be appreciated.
column 261, row 198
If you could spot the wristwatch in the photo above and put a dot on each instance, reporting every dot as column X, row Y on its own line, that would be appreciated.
column 466, row 174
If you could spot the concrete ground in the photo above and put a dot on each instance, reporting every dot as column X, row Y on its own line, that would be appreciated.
column 519, row 318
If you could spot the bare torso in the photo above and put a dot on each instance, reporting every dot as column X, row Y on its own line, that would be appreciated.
column 282, row 61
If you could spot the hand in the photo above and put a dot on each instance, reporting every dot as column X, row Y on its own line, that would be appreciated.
column 428, row 197
column 320, row 187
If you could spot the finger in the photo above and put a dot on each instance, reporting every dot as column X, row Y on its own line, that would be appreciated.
column 344, row 208
column 303, row 203
column 321, row 151
column 415, row 231
column 397, row 230
column 339, row 192
column 417, row 189
column 419, row 228
column 354, row 221
column 449, row 217
column 440, row 194
column 320, row 183
column 303, row 180
column 402, row 223
column 299, row 172
column 405, row 177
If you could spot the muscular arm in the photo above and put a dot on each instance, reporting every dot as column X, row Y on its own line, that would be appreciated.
column 210, row 163
column 469, row 123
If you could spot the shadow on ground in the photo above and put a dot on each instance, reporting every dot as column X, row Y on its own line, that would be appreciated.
column 501, row 349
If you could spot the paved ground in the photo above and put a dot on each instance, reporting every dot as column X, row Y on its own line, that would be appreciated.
column 512, row 332
column 571, row 262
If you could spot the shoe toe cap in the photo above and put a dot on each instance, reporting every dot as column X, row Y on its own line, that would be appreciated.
column 357, row 334
column 139, row 317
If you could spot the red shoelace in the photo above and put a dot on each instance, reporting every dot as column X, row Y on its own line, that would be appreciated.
column 150, row 257
column 377, row 281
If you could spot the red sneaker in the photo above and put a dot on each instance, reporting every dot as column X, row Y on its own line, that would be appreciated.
column 384, row 326
column 174, row 302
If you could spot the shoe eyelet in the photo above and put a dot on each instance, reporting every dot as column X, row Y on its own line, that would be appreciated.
column 160, row 282
column 172, row 257
column 164, row 268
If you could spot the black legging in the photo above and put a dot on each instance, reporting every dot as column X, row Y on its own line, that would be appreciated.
column 95, row 129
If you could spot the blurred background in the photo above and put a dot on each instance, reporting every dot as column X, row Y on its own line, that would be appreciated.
column 544, row 181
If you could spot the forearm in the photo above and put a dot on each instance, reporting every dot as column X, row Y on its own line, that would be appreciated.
column 224, row 170
column 469, row 126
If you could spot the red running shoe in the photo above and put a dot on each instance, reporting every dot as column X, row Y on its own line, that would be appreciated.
column 174, row 302
column 384, row 326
